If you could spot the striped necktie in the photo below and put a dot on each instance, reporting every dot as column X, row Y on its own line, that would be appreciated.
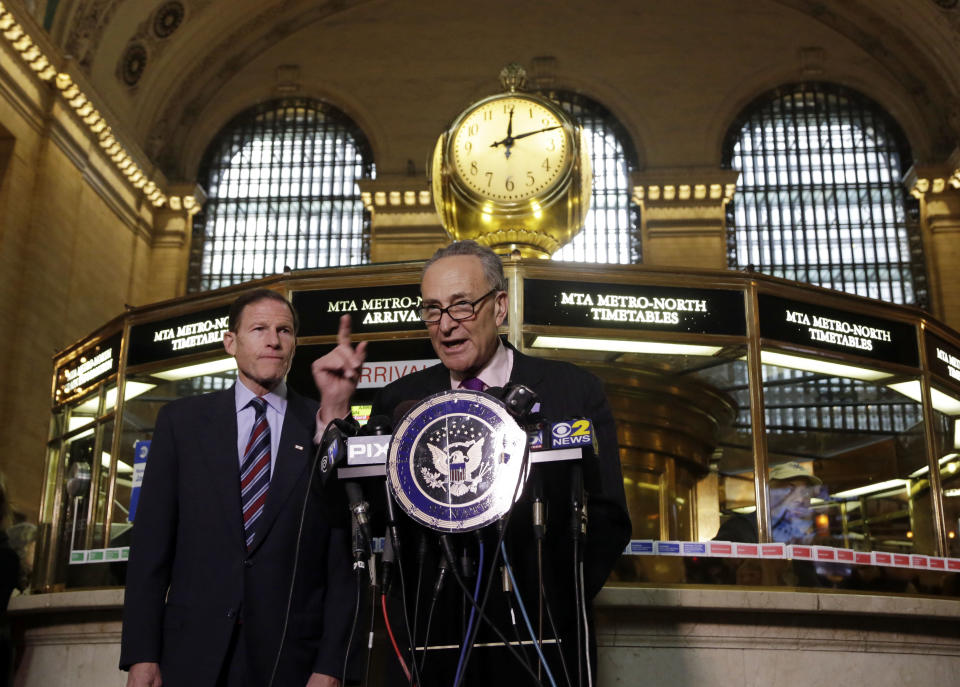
column 255, row 470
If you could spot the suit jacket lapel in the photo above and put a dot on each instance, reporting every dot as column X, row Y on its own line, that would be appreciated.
column 293, row 457
column 437, row 381
column 525, row 370
column 220, row 454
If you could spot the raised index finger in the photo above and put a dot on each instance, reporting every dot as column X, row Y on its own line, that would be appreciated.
column 343, row 335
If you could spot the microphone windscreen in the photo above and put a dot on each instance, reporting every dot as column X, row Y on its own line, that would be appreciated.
column 354, row 493
column 377, row 425
column 402, row 409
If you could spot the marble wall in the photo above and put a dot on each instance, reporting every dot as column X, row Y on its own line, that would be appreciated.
column 646, row 637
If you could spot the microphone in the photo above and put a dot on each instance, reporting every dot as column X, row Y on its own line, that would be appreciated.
column 446, row 559
column 333, row 447
column 387, row 563
column 519, row 400
column 539, row 509
column 359, row 547
column 377, row 425
column 402, row 409
column 360, row 509
column 578, row 521
column 393, row 532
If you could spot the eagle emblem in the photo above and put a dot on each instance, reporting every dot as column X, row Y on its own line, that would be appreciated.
column 456, row 467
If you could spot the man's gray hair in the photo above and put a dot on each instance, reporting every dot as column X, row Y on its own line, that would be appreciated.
column 492, row 265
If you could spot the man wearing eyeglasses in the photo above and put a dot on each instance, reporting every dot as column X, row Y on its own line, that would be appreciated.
column 464, row 302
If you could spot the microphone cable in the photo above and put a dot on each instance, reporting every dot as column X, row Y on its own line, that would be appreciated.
column 586, row 626
column 556, row 634
column 578, row 529
column 296, row 556
column 393, row 640
column 370, row 633
column 392, row 532
column 359, row 567
column 540, row 532
column 502, row 526
column 426, row 638
column 483, row 616
column 526, row 618
column 473, row 612
column 421, row 554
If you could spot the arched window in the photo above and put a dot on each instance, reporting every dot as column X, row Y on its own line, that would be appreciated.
column 611, row 232
column 281, row 180
column 820, row 198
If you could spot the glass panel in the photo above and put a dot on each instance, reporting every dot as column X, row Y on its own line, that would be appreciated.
column 946, row 427
column 842, row 452
column 611, row 231
column 83, row 412
column 819, row 197
column 282, row 189
column 74, row 490
column 685, row 444
column 103, row 482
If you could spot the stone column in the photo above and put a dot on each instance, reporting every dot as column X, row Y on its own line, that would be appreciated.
column 684, row 215
column 405, row 225
column 937, row 187
column 170, row 244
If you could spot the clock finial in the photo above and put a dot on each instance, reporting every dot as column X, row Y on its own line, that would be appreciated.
column 513, row 77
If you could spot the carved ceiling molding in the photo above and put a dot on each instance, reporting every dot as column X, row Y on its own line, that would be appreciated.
column 90, row 21
column 230, row 55
column 863, row 23
column 151, row 38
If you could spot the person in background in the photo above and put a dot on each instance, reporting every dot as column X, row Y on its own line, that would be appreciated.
column 791, row 489
column 23, row 539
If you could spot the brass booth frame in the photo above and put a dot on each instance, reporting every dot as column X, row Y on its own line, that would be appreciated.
column 670, row 425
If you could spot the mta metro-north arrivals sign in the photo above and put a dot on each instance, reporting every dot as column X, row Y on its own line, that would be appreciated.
column 371, row 309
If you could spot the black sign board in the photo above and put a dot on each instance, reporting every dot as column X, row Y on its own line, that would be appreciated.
column 837, row 330
column 624, row 306
column 91, row 365
column 943, row 360
column 178, row 336
column 372, row 309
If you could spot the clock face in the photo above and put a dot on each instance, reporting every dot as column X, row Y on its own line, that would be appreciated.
column 510, row 149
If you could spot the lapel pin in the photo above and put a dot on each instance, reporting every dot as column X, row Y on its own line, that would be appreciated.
column 298, row 447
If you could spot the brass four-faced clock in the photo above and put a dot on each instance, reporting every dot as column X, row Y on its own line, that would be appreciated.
column 512, row 172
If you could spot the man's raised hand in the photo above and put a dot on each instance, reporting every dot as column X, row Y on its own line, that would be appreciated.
column 336, row 374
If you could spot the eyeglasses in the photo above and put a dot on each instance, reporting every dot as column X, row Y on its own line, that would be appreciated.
column 459, row 311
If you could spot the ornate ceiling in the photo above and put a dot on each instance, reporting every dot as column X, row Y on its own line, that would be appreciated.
column 175, row 70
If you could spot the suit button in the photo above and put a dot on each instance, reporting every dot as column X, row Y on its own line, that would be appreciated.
column 247, row 563
column 231, row 614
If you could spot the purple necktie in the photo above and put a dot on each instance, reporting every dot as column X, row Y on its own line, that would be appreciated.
column 255, row 470
column 473, row 384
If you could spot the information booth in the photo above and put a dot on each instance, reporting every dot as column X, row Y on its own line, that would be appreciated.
column 715, row 379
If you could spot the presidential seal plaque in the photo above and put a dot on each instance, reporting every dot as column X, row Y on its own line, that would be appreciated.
column 456, row 461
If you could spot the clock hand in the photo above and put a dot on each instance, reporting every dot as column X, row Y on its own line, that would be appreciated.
column 507, row 142
column 538, row 131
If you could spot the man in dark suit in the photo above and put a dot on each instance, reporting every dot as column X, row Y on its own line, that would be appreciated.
column 219, row 523
column 464, row 301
